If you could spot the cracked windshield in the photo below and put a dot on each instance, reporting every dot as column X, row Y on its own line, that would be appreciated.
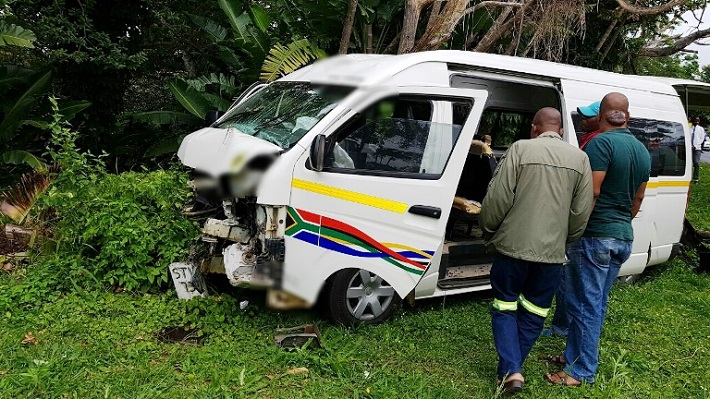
column 284, row 112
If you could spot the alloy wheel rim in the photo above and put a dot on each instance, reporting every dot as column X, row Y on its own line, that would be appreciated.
column 368, row 295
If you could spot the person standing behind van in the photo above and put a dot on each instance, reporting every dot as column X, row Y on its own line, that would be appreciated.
column 589, row 122
column 698, row 136
column 539, row 199
column 621, row 166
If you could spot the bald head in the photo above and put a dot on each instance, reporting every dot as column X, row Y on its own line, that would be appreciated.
column 546, row 120
column 613, row 112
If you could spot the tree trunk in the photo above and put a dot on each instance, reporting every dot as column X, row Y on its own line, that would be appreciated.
column 442, row 28
column 435, row 11
column 390, row 47
column 611, row 42
column 348, row 28
column 409, row 26
column 368, row 46
column 606, row 34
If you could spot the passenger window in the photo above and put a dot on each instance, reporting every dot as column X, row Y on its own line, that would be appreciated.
column 397, row 137
column 664, row 140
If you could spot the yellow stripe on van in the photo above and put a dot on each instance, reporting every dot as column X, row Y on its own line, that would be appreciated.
column 668, row 183
column 352, row 196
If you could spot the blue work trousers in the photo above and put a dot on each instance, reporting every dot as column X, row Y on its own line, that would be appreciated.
column 523, row 293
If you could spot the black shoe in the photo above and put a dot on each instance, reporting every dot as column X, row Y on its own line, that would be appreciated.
column 512, row 387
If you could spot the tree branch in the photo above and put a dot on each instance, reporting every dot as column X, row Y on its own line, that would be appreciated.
column 490, row 4
column 650, row 10
column 679, row 44
column 500, row 26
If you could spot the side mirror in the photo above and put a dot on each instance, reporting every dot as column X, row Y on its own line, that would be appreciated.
column 212, row 117
column 317, row 155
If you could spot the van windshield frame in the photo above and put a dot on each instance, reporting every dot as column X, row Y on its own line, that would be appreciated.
column 284, row 112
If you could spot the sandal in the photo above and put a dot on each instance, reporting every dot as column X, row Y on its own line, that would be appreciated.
column 561, row 378
column 558, row 360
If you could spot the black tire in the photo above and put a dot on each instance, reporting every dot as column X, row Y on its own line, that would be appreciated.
column 362, row 309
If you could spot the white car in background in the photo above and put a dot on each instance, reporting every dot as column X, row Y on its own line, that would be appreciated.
column 706, row 145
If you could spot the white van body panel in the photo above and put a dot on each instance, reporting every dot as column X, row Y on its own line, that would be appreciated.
column 372, row 211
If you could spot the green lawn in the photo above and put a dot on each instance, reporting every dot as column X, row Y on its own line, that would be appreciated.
column 656, row 344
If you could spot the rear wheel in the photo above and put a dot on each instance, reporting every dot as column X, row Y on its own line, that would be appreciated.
column 358, row 296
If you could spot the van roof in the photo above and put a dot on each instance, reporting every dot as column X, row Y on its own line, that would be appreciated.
column 372, row 69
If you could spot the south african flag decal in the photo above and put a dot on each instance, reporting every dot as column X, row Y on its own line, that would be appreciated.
column 334, row 235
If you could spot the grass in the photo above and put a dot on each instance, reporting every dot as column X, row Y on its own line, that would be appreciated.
column 93, row 344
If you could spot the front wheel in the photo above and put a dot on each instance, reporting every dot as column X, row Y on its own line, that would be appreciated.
column 358, row 296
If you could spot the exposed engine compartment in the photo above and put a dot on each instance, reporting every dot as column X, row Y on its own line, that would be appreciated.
column 240, row 238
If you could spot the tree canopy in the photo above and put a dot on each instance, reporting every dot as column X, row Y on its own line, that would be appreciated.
column 138, row 74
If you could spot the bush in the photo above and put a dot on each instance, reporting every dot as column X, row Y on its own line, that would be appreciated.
column 123, row 230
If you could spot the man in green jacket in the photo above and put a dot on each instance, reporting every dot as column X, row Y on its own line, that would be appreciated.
column 538, row 201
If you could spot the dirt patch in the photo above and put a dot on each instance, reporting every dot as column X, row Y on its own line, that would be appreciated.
column 181, row 335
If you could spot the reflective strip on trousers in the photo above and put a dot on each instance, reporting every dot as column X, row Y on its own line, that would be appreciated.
column 504, row 306
column 532, row 308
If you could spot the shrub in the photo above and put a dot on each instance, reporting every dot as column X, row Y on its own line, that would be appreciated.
column 121, row 229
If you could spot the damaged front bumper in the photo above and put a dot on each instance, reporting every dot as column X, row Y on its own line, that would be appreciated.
column 247, row 245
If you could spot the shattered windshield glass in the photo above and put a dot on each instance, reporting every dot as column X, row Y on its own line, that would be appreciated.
column 284, row 112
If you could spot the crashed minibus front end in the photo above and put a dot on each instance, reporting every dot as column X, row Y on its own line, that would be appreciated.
column 241, row 169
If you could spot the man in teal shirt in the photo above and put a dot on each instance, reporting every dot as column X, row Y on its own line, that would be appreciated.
column 621, row 166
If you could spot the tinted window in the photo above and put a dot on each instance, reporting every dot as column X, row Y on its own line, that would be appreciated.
column 665, row 142
column 397, row 137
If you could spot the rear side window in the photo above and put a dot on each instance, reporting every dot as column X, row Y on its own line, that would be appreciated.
column 664, row 140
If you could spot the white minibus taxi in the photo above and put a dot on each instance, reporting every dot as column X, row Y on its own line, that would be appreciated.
column 336, row 182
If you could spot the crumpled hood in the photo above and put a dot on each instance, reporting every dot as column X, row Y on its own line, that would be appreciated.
column 219, row 151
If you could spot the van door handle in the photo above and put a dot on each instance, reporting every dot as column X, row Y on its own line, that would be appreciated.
column 424, row 210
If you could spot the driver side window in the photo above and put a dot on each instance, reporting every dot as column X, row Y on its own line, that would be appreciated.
column 396, row 137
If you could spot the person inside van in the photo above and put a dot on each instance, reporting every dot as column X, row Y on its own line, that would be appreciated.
column 539, row 200
column 698, row 137
column 621, row 167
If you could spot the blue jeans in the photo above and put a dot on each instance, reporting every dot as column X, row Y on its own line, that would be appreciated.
column 560, row 320
column 522, row 294
column 593, row 268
